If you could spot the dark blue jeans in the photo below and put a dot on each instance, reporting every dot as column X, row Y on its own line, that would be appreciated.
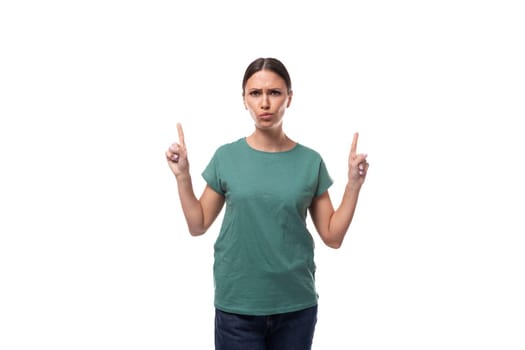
column 288, row 331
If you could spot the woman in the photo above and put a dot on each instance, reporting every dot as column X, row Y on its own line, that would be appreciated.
column 264, row 270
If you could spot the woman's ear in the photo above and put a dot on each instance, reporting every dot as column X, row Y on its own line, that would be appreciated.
column 244, row 102
column 290, row 94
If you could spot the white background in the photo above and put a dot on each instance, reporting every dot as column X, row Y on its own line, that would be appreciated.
column 94, row 252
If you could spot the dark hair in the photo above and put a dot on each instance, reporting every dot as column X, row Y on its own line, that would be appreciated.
column 268, row 63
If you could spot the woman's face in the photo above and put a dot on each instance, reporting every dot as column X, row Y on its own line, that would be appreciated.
column 266, row 97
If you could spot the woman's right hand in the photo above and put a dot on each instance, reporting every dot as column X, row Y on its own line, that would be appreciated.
column 177, row 156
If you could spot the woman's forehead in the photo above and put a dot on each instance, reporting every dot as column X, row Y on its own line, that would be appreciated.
column 265, row 79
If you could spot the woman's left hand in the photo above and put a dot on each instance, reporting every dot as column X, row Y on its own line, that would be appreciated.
column 357, row 164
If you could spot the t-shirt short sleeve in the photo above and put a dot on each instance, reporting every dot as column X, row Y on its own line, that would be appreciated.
column 324, row 180
column 211, row 174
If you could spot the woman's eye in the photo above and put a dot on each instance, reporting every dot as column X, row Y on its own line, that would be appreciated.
column 275, row 93
column 255, row 93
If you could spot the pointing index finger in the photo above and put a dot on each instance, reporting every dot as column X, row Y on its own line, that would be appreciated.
column 353, row 149
column 181, row 135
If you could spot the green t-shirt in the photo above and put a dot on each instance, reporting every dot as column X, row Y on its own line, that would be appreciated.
column 264, row 254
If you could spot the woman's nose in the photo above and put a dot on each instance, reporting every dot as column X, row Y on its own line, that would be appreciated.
column 265, row 101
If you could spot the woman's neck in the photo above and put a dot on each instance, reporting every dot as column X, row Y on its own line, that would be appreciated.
column 270, row 141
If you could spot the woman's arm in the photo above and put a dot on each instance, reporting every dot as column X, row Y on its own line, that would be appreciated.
column 332, row 224
column 199, row 213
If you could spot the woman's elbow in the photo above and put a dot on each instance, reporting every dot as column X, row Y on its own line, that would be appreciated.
column 334, row 245
column 332, row 242
column 196, row 231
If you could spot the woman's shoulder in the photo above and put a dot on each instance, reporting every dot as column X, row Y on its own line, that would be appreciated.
column 232, row 144
column 307, row 150
column 230, row 147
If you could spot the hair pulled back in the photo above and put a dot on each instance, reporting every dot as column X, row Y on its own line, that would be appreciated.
column 267, row 63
